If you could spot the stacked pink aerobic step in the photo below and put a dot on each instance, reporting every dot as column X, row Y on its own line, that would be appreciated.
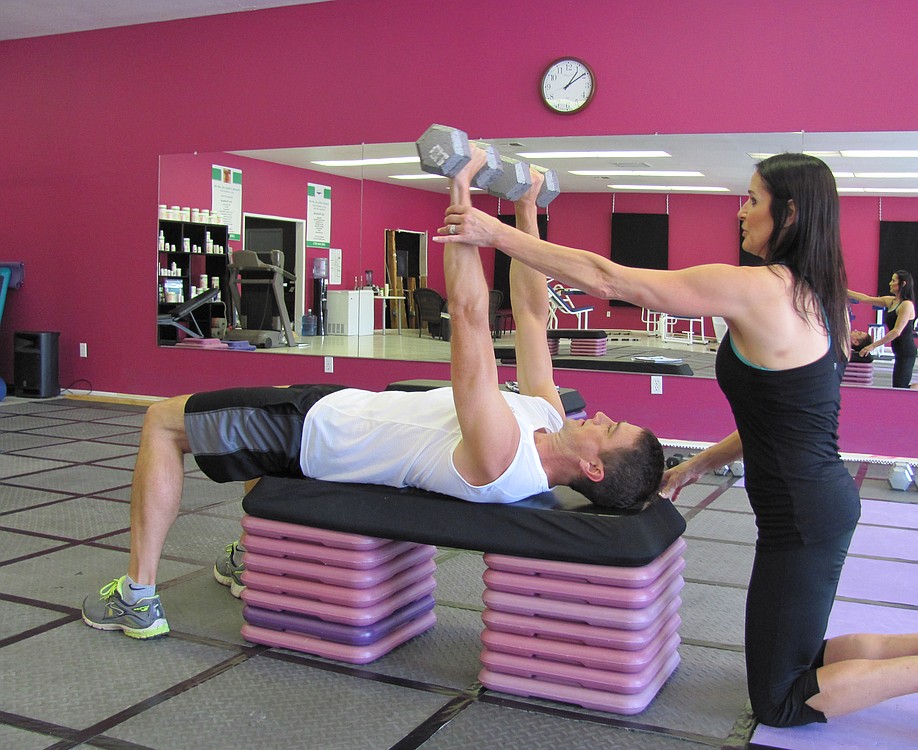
column 604, row 638
column 588, row 347
column 341, row 596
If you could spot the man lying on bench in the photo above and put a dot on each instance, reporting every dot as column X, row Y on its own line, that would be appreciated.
column 471, row 441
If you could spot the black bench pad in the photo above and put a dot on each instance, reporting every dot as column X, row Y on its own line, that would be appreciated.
column 559, row 525
column 619, row 365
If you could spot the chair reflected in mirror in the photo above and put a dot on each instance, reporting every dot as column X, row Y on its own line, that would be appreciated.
column 495, row 319
column 429, row 307
column 184, row 315
column 559, row 301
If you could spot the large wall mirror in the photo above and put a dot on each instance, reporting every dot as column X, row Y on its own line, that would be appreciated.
column 334, row 210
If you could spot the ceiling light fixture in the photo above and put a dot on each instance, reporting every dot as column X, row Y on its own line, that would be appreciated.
column 594, row 154
column 634, row 173
column 672, row 188
column 880, row 154
column 423, row 176
column 368, row 162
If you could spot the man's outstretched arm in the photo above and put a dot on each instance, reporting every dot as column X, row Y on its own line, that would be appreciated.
column 529, row 300
column 490, row 433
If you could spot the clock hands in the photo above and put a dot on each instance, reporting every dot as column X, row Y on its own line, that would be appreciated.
column 575, row 78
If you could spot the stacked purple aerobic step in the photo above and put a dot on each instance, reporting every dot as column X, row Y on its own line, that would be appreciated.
column 342, row 596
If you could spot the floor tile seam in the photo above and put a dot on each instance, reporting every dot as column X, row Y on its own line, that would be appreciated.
column 719, row 584
column 871, row 525
column 38, row 553
column 610, row 720
column 418, row 736
column 27, row 453
column 67, row 540
column 707, row 500
column 877, row 603
column 364, row 673
column 204, row 565
column 729, row 512
column 66, row 496
column 715, row 540
column 38, row 603
column 39, row 629
column 465, row 606
column 100, row 727
column 71, row 419
column 37, row 726
column 17, row 485
column 736, row 648
column 99, row 543
column 742, row 730
column 881, row 558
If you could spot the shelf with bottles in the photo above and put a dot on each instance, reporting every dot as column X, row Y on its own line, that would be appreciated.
column 192, row 258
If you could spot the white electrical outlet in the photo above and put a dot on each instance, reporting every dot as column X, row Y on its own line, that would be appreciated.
column 83, row 350
column 329, row 364
column 656, row 384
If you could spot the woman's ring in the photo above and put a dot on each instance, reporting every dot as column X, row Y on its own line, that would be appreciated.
column 452, row 228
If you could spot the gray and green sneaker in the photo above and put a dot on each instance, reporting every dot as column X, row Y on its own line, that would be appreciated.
column 143, row 619
column 229, row 568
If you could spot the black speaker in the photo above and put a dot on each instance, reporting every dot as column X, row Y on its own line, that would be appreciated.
column 35, row 368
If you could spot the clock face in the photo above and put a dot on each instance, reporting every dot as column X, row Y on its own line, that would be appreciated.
column 568, row 85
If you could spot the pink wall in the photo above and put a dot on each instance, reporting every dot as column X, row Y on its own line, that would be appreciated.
column 86, row 116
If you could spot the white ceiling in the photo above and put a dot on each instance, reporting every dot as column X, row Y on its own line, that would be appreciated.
column 723, row 158
column 27, row 18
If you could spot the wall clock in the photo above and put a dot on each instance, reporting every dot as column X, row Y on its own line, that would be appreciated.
column 567, row 85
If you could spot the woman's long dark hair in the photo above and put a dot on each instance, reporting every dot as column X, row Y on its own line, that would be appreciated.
column 906, row 286
column 811, row 246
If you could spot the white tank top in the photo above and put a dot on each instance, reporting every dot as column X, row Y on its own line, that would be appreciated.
column 407, row 439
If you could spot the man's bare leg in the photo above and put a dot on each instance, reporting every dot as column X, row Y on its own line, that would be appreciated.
column 156, row 490
column 130, row 603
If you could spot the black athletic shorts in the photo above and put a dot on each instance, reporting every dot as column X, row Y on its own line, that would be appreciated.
column 245, row 433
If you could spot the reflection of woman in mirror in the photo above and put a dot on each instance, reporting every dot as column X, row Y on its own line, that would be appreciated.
column 900, row 324
column 780, row 366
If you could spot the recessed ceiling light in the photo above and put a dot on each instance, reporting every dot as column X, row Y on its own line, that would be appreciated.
column 634, row 173
column 672, row 188
column 368, row 162
column 880, row 154
column 886, row 175
column 422, row 176
column 594, row 154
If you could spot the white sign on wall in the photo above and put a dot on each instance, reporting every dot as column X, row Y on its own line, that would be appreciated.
column 226, row 197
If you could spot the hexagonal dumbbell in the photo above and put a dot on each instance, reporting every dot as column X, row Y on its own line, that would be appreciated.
column 517, row 179
column 514, row 180
column 445, row 151
column 551, row 187
column 901, row 475
column 675, row 459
